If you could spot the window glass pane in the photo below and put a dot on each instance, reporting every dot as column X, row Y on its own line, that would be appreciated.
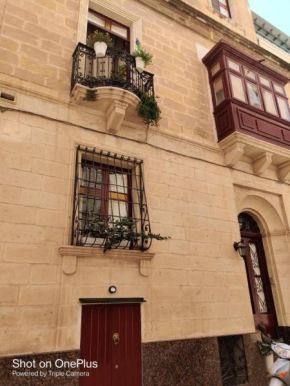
column 219, row 91
column 269, row 102
column 215, row 4
column 265, row 82
column 224, row 2
column 119, row 30
column 215, row 69
column 91, row 177
column 237, row 88
column 234, row 66
column 250, row 74
column 117, row 210
column 278, row 88
column 254, row 97
column 284, row 108
column 96, row 19
column 224, row 12
column 118, row 182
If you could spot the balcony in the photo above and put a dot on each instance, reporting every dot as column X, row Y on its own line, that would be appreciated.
column 251, row 110
column 111, row 84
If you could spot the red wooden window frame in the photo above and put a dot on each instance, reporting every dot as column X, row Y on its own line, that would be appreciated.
column 108, row 22
column 104, row 194
column 217, row 5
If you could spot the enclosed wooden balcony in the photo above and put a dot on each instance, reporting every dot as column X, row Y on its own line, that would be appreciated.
column 251, row 109
column 110, row 84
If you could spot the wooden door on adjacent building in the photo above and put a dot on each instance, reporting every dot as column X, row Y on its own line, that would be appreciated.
column 111, row 335
column 258, row 277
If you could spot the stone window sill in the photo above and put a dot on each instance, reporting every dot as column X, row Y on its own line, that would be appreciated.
column 70, row 254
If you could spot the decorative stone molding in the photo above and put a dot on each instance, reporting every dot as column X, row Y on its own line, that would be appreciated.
column 115, row 103
column 262, row 162
column 261, row 154
column 70, row 254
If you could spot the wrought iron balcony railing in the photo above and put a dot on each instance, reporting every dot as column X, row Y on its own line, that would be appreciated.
column 117, row 69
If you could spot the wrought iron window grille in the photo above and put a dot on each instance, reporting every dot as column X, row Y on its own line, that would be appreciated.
column 247, row 223
column 233, row 360
column 117, row 69
column 109, row 188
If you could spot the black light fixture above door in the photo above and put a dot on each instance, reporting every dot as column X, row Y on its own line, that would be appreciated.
column 241, row 247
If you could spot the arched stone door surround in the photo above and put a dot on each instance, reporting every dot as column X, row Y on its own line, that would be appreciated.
column 275, row 244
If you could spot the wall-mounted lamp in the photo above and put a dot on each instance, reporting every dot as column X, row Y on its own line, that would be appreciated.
column 241, row 247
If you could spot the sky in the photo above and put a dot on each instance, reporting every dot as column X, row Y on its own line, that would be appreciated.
column 276, row 12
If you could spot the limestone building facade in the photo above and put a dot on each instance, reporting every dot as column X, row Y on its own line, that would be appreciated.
column 213, row 173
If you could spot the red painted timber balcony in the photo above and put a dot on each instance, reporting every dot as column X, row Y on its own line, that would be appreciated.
column 250, row 108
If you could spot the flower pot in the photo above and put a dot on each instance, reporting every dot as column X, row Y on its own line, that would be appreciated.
column 269, row 360
column 140, row 64
column 100, row 49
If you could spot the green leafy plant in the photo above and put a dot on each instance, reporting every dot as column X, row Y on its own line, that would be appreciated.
column 98, row 36
column 149, row 110
column 114, row 232
column 144, row 55
column 120, row 75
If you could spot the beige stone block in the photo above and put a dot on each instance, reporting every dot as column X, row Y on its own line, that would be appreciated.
column 161, row 311
column 169, row 277
column 204, row 249
column 9, row 44
column 157, row 189
column 10, row 57
column 187, row 310
column 18, row 130
column 231, row 265
column 8, row 295
column 66, row 294
column 19, row 35
column 15, row 161
column 178, row 246
column 37, row 295
column 17, row 214
column 67, row 338
column 20, row 178
column 43, row 32
column 165, row 293
column 196, row 278
column 165, row 330
column 26, row 341
column 129, row 275
column 167, row 260
column 37, row 198
column 93, row 275
column 9, row 194
column 69, row 316
column 25, row 253
column 49, row 168
column 41, row 317
column 14, row 273
column 48, row 46
column 239, row 294
column 43, row 136
column 45, row 274
column 34, row 52
column 55, row 185
column 216, row 310
column 51, row 218
column 19, row 146
column 9, row 317
column 215, row 279
column 22, row 13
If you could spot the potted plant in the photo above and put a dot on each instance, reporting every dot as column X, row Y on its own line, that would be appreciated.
column 100, row 42
column 142, row 57
column 114, row 232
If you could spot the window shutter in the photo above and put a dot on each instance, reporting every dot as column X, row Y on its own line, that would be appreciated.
column 215, row 5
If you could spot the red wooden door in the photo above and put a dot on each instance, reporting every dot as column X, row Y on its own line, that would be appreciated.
column 258, row 277
column 111, row 335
